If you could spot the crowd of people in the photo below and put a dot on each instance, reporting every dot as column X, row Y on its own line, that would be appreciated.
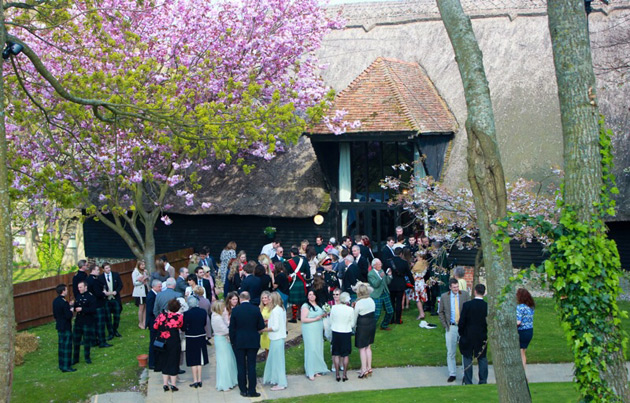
column 336, row 290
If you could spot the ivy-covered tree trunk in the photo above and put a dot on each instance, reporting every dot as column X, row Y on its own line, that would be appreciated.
column 7, row 316
column 583, row 198
column 487, row 182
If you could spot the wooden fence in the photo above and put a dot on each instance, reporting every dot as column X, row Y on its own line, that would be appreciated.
column 33, row 299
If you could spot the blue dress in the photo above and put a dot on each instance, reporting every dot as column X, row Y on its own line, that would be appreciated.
column 313, row 337
column 275, row 370
column 227, row 376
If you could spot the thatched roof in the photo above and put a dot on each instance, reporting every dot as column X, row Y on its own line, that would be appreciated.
column 514, row 38
column 290, row 185
column 393, row 96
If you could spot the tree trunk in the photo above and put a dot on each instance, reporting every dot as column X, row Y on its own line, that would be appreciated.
column 7, row 313
column 487, row 182
column 568, row 27
column 478, row 265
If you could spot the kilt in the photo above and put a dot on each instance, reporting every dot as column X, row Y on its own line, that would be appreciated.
column 65, row 349
column 101, row 317
column 113, row 310
column 297, row 296
column 82, row 334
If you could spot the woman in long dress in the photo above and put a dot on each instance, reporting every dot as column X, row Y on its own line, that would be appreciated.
column 275, row 370
column 265, row 309
column 227, row 254
column 196, row 349
column 365, row 327
column 312, row 316
column 227, row 374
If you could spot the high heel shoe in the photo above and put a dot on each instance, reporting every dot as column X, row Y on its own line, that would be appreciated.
column 199, row 384
column 345, row 377
column 363, row 375
column 166, row 389
column 174, row 388
column 338, row 377
column 194, row 385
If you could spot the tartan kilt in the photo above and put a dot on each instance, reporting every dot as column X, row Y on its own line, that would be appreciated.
column 101, row 320
column 85, row 332
column 296, row 293
column 65, row 349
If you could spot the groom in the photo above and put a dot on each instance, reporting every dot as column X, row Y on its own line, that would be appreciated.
column 245, row 326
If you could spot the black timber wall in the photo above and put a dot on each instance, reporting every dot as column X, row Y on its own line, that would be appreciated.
column 214, row 231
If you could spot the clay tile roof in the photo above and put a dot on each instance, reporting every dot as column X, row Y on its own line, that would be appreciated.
column 392, row 96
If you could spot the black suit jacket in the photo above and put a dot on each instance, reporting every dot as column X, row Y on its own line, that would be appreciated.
column 208, row 287
column 473, row 328
column 245, row 323
column 253, row 285
column 62, row 314
column 350, row 278
column 364, row 267
column 386, row 257
column 150, row 305
column 95, row 287
column 78, row 277
column 116, row 283
column 400, row 269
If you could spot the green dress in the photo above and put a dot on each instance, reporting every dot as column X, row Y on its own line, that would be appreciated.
column 313, row 338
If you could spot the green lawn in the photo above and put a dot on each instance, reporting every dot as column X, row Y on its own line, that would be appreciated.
column 114, row 368
column 541, row 392
column 407, row 344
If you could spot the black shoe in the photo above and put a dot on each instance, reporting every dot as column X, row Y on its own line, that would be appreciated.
column 174, row 388
column 199, row 384
column 88, row 361
column 194, row 385
column 116, row 334
column 292, row 320
column 105, row 345
column 165, row 387
column 255, row 394
column 451, row 379
column 181, row 371
column 244, row 394
column 68, row 370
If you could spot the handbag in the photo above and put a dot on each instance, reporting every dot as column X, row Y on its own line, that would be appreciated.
column 158, row 345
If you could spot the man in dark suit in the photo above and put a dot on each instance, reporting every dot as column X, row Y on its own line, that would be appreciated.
column 251, row 284
column 350, row 277
column 206, row 260
column 62, row 311
column 85, row 307
column 205, row 283
column 246, row 323
column 96, row 288
column 156, row 287
column 181, row 282
column 362, row 262
column 473, row 335
column 401, row 275
column 387, row 254
column 112, row 285
column 81, row 275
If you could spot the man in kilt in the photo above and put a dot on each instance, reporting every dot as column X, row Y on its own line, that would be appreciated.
column 300, row 275
column 62, row 311
column 85, row 307
column 96, row 288
column 112, row 285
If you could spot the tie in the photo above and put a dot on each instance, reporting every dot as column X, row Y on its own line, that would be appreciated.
column 456, row 308
column 109, row 285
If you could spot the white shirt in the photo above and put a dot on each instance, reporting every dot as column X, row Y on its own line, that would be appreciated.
column 363, row 306
column 342, row 318
column 268, row 250
column 278, row 324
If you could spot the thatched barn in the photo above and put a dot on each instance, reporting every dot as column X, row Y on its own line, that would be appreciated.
column 394, row 69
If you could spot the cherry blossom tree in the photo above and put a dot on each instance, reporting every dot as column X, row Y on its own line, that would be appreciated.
column 192, row 85
column 114, row 105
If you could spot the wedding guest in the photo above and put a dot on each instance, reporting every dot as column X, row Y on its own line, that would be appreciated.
column 227, row 376
column 365, row 327
column 275, row 370
column 194, row 327
column 139, row 278
column 525, row 320
column 341, row 322
column 312, row 317
column 167, row 325
column 62, row 311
